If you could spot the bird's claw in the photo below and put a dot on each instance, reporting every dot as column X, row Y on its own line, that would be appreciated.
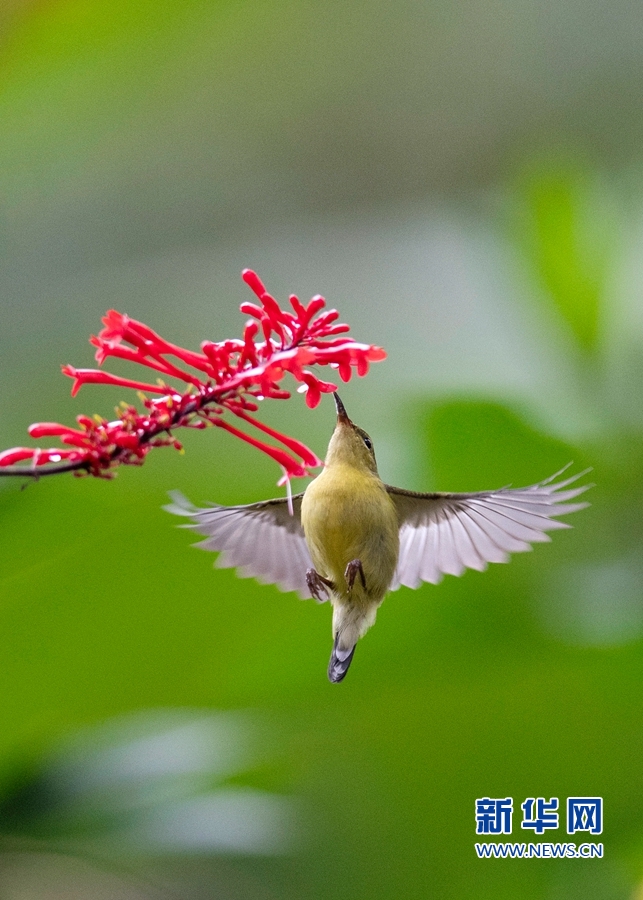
column 354, row 566
column 318, row 584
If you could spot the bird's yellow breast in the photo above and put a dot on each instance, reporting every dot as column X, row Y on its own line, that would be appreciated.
column 347, row 514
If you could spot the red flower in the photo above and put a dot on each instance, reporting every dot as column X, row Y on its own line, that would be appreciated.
column 232, row 376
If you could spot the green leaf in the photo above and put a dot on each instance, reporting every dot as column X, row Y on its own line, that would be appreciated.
column 564, row 233
column 481, row 445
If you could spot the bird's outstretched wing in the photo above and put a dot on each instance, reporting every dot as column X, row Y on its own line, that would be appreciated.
column 448, row 533
column 261, row 540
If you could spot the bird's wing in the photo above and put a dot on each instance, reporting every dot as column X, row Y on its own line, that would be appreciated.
column 448, row 533
column 261, row 540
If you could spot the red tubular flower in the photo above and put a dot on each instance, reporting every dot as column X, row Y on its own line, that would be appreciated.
column 233, row 376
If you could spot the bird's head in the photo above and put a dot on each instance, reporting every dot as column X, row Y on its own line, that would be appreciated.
column 350, row 444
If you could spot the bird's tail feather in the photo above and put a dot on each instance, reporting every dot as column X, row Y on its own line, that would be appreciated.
column 340, row 661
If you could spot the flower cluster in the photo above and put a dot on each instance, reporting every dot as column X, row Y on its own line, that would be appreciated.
column 231, row 376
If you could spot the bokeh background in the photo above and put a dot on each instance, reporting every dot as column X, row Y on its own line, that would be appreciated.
column 464, row 181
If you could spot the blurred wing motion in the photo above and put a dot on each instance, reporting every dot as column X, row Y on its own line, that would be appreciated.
column 261, row 540
column 448, row 533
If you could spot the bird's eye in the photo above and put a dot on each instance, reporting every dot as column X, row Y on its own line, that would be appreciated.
column 368, row 443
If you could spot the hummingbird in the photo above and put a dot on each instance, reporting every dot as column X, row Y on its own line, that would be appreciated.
column 351, row 539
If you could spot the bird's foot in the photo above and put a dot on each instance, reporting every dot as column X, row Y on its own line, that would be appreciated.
column 352, row 569
column 318, row 584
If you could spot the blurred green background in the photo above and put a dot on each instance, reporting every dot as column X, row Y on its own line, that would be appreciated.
column 464, row 181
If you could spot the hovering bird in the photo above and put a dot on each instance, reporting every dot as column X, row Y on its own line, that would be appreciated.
column 351, row 538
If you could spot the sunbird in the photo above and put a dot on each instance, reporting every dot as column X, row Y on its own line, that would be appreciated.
column 351, row 538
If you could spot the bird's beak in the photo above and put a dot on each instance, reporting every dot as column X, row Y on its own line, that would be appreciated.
column 342, row 417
